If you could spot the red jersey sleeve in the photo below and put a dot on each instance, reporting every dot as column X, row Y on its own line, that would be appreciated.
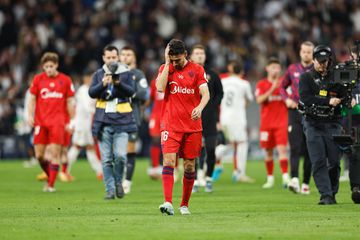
column 34, row 88
column 70, row 91
column 201, row 76
column 259, row 90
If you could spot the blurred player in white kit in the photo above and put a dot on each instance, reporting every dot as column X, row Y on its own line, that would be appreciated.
column 82, row 137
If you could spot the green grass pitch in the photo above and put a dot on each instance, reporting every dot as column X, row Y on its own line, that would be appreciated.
column 233, row 211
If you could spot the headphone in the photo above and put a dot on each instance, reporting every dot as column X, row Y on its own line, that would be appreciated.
column 320, row 48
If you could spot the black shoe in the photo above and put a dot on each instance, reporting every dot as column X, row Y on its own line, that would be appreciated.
column 327, row 200
column 109, row 196
column 355, row 195
column 120, row 191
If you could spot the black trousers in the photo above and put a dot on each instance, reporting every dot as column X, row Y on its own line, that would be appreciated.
column 354, row 167
column 298, row 147
column 208, row 154
column 324, row 155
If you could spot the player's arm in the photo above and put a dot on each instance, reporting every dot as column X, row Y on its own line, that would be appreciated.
column 205, row 96
column 264, row 97
column 285, row 83
column 162, row 78
column 31, row 109
column 249, row 96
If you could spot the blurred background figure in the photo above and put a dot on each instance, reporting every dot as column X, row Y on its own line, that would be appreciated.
column 210, row 118
column 138, row 100
column 237, row 96
column 82, row 137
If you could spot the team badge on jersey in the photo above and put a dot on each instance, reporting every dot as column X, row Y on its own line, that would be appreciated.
column 296, row 74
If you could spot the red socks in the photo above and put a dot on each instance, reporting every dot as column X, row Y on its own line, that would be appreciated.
column 168, row 182
column 64, row 167
column 269, row 167
column 155, row 152
column 53, row 172
column 188, row 183
column 283, row 165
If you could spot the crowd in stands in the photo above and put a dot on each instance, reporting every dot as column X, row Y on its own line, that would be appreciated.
column 78, row 30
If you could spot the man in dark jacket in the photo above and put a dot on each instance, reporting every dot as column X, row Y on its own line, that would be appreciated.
column 112, row 86
column 210, row 117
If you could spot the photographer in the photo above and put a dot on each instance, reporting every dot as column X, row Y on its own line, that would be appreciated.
column 321, row 98
column 112, row 86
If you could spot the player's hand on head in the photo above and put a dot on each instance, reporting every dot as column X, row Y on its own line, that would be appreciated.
column 196, row 113
column 166, row 56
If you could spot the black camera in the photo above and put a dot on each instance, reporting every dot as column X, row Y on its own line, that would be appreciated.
column 112, row 66
column 348, row 75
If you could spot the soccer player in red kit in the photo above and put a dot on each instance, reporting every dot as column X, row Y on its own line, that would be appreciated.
column 186, row 95
column 273, row 121
column 157, row 98
column 51, row 96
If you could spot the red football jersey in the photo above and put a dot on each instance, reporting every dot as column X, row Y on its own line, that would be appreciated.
column 51, row 98
column 182, row 95
column 273, row 112
column 157, row 98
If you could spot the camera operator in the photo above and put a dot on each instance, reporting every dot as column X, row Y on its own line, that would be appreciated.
column 112, row 86
column 321, row 98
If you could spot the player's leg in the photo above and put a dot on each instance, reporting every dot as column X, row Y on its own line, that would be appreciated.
column 155, row 155
column 267, row 142
column 120, row 152
column 55, row 151
column 41, row 138
column 130, row 163
column 281, row 141
column 305, row 188
column 295, row 134
column 269, row 164
column 95, row 164
column 73, row 154
column 170, row 142
column 40, row 156
column 210, row 143
column 191, row 149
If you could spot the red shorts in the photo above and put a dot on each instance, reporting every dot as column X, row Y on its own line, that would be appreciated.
column 154, row 127
column 270, row 138
column 188, row 145
column 67, row 138
column 49, row 134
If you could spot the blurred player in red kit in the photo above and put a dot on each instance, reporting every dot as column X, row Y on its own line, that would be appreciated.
column 186, row 94
column 157, row 99
column 273, row 121
column 51, row 99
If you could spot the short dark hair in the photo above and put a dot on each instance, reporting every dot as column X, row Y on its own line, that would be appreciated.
column 273, row 60
column 197, row 46
column 110, row 48
column 128, row 48
column 237, row 66
column 176, row 47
